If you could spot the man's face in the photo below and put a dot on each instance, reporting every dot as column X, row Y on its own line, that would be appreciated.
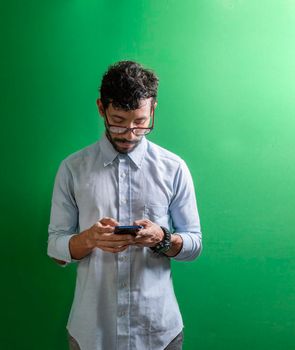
column 125, row 143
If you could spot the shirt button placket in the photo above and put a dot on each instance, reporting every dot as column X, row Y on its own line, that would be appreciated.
column 123, row 282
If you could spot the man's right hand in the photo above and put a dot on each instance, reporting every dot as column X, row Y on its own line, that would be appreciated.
column 100, row 235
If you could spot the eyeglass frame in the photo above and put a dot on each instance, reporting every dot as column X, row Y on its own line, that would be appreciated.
column 131, row 129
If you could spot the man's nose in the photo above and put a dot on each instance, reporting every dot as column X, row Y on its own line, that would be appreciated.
column 130, row 136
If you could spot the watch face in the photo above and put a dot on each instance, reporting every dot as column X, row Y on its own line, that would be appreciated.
column 165, row 244
column 164, row 249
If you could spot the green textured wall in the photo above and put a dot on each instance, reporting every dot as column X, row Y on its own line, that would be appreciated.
column 226, row 105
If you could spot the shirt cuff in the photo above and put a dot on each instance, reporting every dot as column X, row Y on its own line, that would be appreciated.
column 191, row 247
column 58, row 248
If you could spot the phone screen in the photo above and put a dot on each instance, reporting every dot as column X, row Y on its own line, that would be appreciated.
column 127, row 230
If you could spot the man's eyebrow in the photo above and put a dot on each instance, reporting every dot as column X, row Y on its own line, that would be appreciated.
column 119, row 117
column 123, row 117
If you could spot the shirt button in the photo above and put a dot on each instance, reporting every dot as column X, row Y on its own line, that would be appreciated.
column 123, row 200
column 122, row 313
column 123, row 285
column 123, row 258
column 123, row 174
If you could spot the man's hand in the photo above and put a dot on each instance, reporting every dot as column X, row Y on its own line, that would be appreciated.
column 150, row 235
column 100, row 235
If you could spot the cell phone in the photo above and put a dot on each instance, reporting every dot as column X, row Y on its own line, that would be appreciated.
column 127, row 230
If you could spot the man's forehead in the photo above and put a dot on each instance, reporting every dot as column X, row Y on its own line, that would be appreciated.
column 144, row 104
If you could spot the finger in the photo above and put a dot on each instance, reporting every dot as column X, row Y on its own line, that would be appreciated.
column 140, row 240
column 103, row 229
column 97, row 224
column 121, row 236
column 103, row 234
column 143, row 222
column 108, row 221
column 143, row 233
column 146, row 237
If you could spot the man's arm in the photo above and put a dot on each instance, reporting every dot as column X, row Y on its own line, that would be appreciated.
column 63, row 217
column 186, row 240
column 100, row 235
column 176, row 245
column 60, row 262
column 185, row 217
column 64, row 243
column 152, row 234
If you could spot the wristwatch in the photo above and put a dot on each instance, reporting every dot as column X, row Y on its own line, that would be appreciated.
column 163, row 246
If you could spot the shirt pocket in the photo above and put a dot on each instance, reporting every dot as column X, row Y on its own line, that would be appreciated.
column 157, row 213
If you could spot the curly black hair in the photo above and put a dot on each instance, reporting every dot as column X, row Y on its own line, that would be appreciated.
column 126, row 83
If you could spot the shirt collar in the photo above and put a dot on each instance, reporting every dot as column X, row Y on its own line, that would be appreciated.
column 109, row 154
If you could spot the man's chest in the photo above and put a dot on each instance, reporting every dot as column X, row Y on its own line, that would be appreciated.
column 126, row 193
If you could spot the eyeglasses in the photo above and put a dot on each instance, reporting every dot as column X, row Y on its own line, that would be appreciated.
column 138, row 131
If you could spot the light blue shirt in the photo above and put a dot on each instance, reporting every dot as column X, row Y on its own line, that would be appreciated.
column 126, row 300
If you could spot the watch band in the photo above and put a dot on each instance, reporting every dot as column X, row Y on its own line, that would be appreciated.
column 163, row 246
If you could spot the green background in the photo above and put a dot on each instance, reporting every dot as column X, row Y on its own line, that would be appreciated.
column 226, row 105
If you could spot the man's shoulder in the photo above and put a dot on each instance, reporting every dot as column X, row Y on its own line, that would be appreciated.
column 81, row 155
column 162, row 153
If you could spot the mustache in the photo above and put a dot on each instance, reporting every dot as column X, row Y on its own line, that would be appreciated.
column 126, row 141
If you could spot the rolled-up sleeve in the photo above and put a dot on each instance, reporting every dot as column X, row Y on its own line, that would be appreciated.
column 184, row 215
column 64, row 216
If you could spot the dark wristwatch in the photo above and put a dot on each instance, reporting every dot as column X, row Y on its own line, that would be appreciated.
column 163, row 246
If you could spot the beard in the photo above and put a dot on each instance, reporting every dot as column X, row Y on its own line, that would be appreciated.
column 126, row 146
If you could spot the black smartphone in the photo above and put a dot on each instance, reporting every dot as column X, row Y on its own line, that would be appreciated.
column 127, row 230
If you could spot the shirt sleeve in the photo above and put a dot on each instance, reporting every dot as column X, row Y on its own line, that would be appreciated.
column 185, row 216
column 64, row 216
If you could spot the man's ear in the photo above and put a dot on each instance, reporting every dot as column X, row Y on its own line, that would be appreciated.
column 100, row 107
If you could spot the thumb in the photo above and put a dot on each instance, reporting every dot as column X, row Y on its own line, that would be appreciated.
column 109, row 221
column 143, row 222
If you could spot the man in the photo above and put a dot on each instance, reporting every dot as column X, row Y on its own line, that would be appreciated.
column 124, row 296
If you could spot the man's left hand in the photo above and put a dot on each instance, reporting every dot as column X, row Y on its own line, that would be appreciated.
column 150, row 235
